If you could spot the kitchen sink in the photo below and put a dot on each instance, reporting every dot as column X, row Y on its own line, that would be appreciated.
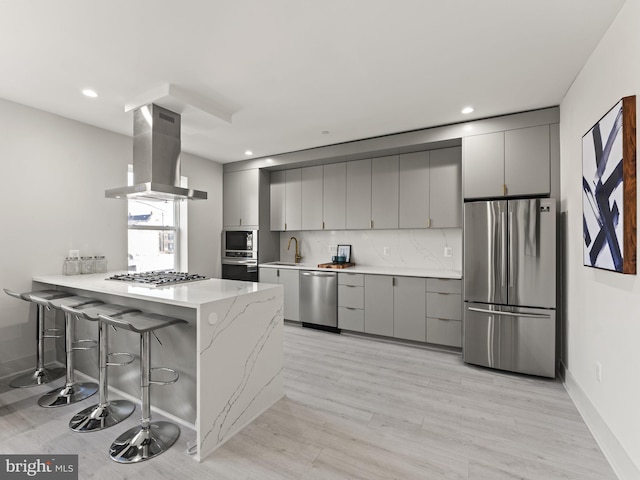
column 286, row 264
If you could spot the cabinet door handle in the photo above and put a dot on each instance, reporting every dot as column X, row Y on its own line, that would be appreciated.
column 240, row 221
column 370, row 223
column 504, row 189
column 428, row 223
column 285, row 226
column 277, row 273
column 323, row 225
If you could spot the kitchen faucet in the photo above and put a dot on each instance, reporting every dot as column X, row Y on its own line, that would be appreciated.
column 297, row 257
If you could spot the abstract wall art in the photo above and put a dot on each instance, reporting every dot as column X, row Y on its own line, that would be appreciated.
column 609, row 190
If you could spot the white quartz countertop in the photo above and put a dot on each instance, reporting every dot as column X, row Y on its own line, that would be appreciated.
column 192, row 294
column 374, row 270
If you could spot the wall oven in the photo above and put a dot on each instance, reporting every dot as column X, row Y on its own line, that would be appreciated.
column 240, row 255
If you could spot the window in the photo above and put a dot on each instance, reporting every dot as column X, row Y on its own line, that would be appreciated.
column 153, row 234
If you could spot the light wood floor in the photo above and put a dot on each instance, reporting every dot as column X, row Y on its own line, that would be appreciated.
column 355, row 409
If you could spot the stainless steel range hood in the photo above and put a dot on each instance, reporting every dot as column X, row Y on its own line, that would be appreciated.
column 156, row 158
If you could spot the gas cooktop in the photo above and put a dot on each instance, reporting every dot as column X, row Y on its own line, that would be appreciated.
column 158, row 278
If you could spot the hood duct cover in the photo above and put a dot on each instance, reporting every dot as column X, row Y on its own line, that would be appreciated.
column 156, row 158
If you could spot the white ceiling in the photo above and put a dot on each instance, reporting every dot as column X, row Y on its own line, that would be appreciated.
column 290, row 69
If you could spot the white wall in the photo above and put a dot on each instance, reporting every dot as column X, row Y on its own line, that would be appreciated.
column 204, row 218
column 419, row 248
column 603, row 321
column 55, row 172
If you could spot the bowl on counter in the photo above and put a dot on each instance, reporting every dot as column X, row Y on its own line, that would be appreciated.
column 338, row 259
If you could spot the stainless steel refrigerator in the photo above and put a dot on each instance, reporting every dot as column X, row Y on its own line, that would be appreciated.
column 509, row 273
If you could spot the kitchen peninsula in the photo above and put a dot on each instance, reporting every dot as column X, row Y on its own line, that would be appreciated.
column 229, row 353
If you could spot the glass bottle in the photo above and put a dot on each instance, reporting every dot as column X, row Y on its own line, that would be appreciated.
column 71, row 266
column 87, row 265
column 101, row 264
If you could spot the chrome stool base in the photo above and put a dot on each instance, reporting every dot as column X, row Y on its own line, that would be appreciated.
column 68, row 394
column 39, row 377
column 139, row 444
column 99, row 417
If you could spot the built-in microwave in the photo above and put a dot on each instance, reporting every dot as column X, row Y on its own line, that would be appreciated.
column 240, row 255
column 240, row 244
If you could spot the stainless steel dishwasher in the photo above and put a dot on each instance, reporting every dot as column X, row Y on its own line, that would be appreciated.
column 319, row 300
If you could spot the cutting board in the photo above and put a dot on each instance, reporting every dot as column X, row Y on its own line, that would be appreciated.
column 336, row 265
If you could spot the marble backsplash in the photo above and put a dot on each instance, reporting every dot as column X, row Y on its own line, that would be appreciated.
column 419, row 248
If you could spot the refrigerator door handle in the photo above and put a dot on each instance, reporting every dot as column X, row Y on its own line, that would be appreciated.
column 510, row 314
column 511, row 254
column 503, row 252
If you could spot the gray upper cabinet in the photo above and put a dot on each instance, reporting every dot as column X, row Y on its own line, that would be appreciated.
column 378, row 305
column 384, row 192
column 483, row 158
column 334, row 189
column 445, row 188
column 278, row 206
column 286, row 200
column 240, row 198
column 527, row 161
column 414, row 190
column 358, row 212
column 293, row 200
column 311, row 206
column 511, row 163
column 409, row 308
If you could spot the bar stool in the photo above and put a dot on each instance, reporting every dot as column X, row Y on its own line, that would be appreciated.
column 41, row 375
column 105, row 413
column 148, row 439
column 72, row 391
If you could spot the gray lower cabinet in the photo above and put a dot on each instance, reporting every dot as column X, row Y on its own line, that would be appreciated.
column 351, row 301
column 290, row 280
column 378, row 305
column 409, row 308
column 444, row 312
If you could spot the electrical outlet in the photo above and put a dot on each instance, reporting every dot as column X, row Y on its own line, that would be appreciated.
column 385, row 251
column 599, row 371
column 448, row 252
column 333, row 249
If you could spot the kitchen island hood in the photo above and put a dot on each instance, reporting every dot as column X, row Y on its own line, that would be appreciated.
column 156, row 158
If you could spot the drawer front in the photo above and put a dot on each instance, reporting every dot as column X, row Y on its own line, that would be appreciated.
column 349, row 296
column 351, row 319
column 444, row 285
column 444, row 305
column 444, row 332
column 353, row 279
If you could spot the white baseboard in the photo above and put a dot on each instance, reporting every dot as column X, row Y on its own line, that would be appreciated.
column 622, row 464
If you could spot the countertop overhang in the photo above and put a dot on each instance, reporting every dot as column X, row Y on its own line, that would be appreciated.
column 374, row 270
column 192, row 294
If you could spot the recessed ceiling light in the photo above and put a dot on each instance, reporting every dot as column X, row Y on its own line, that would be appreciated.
column 87, row 92
column 248, row 152
column 467, row 110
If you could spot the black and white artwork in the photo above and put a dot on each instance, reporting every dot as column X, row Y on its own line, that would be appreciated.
column 603, row 193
